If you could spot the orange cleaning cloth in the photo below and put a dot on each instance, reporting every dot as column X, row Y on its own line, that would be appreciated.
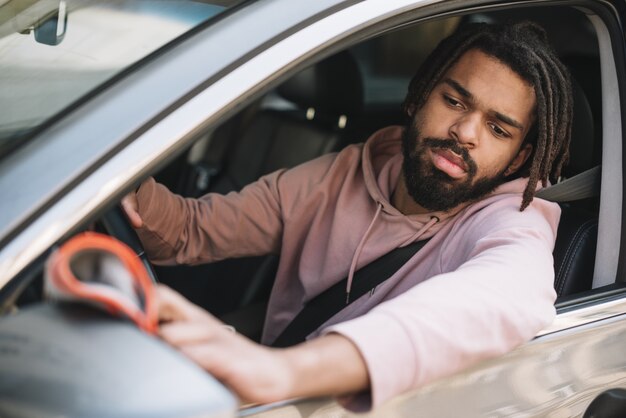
column 102, row 271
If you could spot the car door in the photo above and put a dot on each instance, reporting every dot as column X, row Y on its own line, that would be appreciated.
column 576, row 359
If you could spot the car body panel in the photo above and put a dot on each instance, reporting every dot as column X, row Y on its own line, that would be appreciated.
column 552, row 376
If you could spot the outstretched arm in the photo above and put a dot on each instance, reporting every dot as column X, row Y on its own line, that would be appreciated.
column 330, row 365
column 178, row 230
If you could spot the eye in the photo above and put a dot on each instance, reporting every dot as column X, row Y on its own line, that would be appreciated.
column 498, row 131
column 452, row 102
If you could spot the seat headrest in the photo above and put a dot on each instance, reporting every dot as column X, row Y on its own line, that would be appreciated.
column 333, row 86
column 582, row 141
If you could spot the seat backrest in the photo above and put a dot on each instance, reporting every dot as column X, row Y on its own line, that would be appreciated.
column 575, row 246
column 325, row 98
column 575, row 250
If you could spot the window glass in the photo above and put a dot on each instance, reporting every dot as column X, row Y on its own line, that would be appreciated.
column 388, row 62
column 54, row 52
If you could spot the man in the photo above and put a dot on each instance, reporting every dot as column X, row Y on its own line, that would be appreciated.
column 489, row 115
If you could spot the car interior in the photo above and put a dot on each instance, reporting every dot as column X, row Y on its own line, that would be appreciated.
column 342, row 100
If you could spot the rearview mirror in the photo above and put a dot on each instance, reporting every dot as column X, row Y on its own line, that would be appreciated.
column 51, row 31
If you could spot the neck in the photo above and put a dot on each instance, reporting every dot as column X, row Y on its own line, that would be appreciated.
column 404, row 202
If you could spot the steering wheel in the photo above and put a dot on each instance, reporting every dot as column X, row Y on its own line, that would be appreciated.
column 117, row 225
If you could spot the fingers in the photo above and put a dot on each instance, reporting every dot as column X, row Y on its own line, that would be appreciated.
column 248, row 368
column 180, row 334
column 130, row 206
column 172, row 306
column 254, row 372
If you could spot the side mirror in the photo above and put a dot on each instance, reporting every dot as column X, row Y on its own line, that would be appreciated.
column 51, row 30
column 68, row 360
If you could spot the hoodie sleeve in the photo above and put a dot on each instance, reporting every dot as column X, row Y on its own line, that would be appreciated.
column 180, row 230
column 500, row 296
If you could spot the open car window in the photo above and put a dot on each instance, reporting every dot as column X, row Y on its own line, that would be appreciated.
column 284, row 128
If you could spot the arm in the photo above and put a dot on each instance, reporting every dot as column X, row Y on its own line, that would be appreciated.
column 177, row 230
column 498, row 298
column 330, row 365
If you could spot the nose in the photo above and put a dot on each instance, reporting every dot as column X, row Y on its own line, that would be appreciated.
column 466, row 129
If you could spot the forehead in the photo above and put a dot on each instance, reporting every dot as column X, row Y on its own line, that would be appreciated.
column 493, row 85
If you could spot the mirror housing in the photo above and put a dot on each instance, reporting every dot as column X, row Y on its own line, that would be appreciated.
column 51, row 30
column 75, row 361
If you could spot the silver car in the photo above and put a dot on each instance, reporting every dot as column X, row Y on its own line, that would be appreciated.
column 207, row 96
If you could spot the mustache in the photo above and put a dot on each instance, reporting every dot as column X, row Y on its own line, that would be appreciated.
column 453, row 146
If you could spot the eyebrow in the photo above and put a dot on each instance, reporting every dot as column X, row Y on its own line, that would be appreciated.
column 468, row 95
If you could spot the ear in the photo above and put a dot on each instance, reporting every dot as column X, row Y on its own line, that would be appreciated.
column 519, row 160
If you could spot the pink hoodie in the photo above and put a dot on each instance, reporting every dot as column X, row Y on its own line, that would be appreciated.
column 482, row 285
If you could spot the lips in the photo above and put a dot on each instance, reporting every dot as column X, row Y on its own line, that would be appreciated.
column 449, row 162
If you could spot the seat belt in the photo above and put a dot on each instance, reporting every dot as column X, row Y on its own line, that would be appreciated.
column 581, row 186
column 325, row 305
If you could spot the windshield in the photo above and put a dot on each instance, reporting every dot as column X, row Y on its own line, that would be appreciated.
column 52, row 52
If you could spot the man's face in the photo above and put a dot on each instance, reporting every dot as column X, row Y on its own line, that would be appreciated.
column 467, row 138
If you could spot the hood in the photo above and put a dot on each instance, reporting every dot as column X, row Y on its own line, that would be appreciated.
column 382, row 167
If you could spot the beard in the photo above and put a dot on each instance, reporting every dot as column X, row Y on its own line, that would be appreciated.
column 433, row 189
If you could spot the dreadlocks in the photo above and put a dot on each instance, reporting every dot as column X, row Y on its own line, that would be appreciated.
column 523, row 47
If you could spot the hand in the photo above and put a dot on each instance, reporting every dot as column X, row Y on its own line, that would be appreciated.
column 255, row 373
column 131, row 208
column 328, row 365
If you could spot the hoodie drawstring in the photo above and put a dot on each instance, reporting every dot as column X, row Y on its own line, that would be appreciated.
column 359, row 248
column 422, row 230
